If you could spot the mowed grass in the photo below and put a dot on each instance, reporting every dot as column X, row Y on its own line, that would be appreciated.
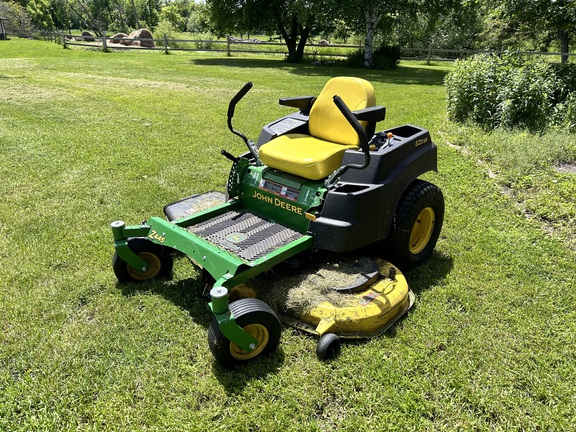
column 87, row 138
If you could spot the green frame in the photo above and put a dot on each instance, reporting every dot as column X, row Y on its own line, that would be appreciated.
column 227, row 269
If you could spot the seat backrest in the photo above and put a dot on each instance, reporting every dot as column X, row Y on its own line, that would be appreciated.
column 327, row 122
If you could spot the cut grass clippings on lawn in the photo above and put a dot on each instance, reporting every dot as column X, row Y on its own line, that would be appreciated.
column 489, row 345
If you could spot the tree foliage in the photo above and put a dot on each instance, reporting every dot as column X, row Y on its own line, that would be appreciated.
column 18, row 18
column 536, row 20
column 293, row 20
column 421, row 24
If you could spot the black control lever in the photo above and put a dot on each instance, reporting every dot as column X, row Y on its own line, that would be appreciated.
column 228, row 156
column 231, row 107
column 236, row 99
column 351, row 118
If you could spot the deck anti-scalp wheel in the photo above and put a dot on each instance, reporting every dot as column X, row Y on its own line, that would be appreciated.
column 255, row 317
column 160, row 262
column 417, row 224
column 328, row 346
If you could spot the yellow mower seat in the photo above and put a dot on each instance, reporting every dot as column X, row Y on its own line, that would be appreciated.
column 317, row 155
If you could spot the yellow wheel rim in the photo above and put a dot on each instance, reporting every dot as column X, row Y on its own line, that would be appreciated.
column 154, row 266
column 259, row 332
column 422, row 230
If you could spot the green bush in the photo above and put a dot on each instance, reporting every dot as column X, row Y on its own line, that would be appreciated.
column 564, row 115
column 385, row 57
column 511, row 92
column 472, row 91
column 527, row 95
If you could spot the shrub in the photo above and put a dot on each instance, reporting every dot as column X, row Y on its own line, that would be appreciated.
column 472, row 91
column 385, row 57
column 527, row 95
column 510, row 92
column 564, row 115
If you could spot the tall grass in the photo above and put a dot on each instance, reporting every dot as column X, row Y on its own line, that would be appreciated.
column 87, row 138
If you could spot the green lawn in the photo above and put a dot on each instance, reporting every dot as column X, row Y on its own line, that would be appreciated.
column 87, row 138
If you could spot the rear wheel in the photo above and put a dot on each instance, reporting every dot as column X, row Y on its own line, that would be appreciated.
column 159, row 261
column 256, row 318
column 417, row 224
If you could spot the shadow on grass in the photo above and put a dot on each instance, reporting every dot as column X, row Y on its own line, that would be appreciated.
column 431, row 273
column 233, row 382
column 185, row 294
column 412, row 75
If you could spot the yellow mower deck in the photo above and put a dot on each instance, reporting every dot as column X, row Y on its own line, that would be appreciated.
column 363, row 312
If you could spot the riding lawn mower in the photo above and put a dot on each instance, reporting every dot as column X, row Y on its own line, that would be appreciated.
column 302, row 206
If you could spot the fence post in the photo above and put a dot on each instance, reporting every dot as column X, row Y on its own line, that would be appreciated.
column 165, row 44
column 228, row 45
column 104, row 44
column 63, row 40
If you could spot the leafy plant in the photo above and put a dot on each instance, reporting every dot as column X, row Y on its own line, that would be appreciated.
column 509, row 92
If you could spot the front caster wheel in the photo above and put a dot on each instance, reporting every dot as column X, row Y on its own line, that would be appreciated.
column 255, row 317
column 160, row 262
column 328, row 346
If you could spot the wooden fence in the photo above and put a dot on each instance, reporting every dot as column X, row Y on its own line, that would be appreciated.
column 229, row 46
column 232, row 46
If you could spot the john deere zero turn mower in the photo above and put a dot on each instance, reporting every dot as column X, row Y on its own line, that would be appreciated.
column 317, row 187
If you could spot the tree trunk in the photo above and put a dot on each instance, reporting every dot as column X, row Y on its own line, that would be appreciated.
column 135, row 20
column 304, row 33
column 372, row 20
column 295, row 47
column 565, row 45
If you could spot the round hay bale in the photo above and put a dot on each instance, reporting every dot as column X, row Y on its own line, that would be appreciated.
column 87, row 36
column 144, row 37
column 118, row 39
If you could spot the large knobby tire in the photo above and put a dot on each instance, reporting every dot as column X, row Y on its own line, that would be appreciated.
column 417, row 224
column 255, row 317
column 159, row 260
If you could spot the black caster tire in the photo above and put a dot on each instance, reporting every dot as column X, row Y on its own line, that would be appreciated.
column 255, row 317
column 159, row 260
column 417, row 223
column 328, row 347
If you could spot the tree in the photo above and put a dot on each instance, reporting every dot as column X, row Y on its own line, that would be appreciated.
column 366, row 18
column 39, row 12
column 554, row 18
column 294, row 20
column 18, row 18
column 452, row 24
column 60, row 14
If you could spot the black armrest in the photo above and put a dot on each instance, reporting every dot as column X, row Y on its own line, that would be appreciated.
column 371, row 114
column 301, row 102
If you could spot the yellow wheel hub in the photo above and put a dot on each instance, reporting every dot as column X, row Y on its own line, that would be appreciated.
column 154, row 266
column 422, row 230
column 259, row 332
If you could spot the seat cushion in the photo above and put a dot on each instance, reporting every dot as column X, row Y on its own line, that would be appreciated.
column 303, row 155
